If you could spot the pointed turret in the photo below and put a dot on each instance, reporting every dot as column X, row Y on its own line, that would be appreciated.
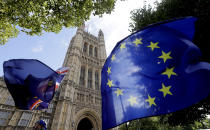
column 102, row 45
column 101, row 36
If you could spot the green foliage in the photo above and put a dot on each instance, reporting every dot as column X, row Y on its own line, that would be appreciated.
column 169, row 9
column 155, row 123
column 7, row 31
column 36, row 16
column 150, row 123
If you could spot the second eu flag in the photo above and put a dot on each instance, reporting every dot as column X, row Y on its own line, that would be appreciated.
column 152, row 72
column 31, row 83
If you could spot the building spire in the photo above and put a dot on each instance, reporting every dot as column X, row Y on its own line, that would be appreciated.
column 101, row 36
column 100, row 33
column 81, row 28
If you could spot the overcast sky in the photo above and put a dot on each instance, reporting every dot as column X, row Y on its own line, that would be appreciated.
column 50, row 48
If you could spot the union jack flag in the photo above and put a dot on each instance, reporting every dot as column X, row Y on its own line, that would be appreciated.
column 62, row 72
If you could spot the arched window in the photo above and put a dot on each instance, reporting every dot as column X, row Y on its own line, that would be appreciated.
column 85, row 47
column 89, row 78
column 96, row 52
column 96, row 80
column 90, row 50
column 82, row 76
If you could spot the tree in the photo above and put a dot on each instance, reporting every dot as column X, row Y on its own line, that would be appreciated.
column 150, row 123
column 169, row 9
column 155, row 123
column 35, row 16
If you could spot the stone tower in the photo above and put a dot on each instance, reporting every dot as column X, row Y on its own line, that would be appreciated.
column 79, row 103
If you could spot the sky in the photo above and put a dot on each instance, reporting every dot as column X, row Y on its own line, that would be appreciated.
column 50, row 48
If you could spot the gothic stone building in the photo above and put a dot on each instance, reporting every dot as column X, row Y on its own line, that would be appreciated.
column 77, row 103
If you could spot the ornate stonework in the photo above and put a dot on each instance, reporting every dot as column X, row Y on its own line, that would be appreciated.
column 78, row 97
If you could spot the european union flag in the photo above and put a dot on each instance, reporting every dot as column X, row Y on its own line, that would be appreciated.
column 30, row 82
column 152, row 72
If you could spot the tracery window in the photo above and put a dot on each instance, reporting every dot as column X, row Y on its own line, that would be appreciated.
column 96, row 80
column 4, row 116
column 90, row 50
column 85, row 47
column 25, row 119
column 89, row 78
column 82, row 76
column 96, row 52
column 50, row 108
column 3, row 122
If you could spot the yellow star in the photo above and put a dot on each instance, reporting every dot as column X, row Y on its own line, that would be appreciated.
column 132, row 100
column 165, row 90
column 169, row 72
column 122, row 46
column 151, row 101
column 153, row 45
column 165, row 56
column 113, row 57
column 109, row 83
column 109, row 70
column 119, row 92
column 138, row 41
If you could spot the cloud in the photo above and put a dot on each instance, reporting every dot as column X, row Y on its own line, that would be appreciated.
column 38, row 48
column 65, row 43
column 116, row 25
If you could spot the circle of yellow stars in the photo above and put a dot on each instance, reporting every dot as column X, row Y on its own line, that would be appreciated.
column 165, row 56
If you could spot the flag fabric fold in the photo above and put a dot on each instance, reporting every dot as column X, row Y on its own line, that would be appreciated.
column 152, row 72
column 30, row 82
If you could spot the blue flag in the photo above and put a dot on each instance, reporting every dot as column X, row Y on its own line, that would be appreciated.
column 152, row 72
column 30, row 82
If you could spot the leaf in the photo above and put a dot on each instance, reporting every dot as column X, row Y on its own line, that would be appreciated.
column 34, row 17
